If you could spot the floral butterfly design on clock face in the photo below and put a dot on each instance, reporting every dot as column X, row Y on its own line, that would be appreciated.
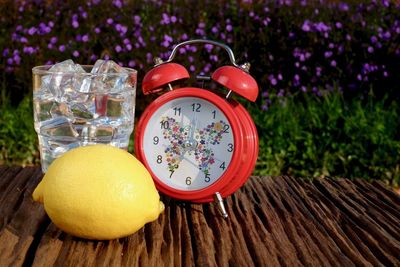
column 189, row 135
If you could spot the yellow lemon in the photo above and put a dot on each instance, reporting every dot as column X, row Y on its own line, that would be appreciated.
column 99, row 192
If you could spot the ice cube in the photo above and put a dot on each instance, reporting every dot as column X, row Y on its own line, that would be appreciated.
column 61, row 83
column 58, row 148
column 42, row 109
column 66, row 66
column 112, row 76
column 80, row 111
column 103, row 133
column 59, row 126
column 107, row 66
column 60, row 109
column 114, row 107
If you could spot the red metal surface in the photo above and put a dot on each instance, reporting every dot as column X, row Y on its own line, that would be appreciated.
column 237, row 80
column 157, row 78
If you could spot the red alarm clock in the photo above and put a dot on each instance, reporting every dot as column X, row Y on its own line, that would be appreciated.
column 198, row 144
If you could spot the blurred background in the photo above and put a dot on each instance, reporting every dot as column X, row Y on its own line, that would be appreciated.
column 328, row 71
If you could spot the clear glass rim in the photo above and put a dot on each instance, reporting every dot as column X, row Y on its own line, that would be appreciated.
column 44, row 69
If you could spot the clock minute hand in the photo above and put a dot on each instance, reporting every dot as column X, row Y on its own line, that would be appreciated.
column 193, row 128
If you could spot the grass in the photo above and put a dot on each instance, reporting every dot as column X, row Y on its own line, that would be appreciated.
column 327, row 136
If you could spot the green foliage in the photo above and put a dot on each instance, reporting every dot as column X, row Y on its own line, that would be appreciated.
column 19, row 142
column 312, row 136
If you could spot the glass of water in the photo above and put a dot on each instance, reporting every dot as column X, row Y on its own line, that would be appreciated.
column 77, row 105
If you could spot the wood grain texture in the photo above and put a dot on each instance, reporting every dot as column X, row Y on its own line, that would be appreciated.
column 273, row 221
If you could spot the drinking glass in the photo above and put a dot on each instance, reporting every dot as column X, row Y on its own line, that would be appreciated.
column 78, row 105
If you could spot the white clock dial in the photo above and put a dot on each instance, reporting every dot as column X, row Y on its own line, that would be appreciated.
column 188, row 143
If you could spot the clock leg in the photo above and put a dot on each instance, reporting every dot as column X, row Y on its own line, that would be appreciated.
column 220, row 200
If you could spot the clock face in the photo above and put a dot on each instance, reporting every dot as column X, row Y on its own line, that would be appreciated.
column 188, row 143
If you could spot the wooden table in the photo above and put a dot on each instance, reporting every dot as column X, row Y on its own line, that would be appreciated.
column 272, row 221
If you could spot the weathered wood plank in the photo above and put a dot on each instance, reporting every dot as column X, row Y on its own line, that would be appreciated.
column 274, row 221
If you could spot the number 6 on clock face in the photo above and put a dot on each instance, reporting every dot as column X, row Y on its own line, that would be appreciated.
column 191, row 141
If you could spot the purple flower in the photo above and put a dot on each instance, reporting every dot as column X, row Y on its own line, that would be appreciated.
column 182, row 50
column 84, row 14
column 200, row 32
column 370, row 49
column 385, row 3
column 209, row 47
column 229, row 28
column 110, row 21
column 322, row 27
column 385, row 74
column 32, row 31
column 328, row 54
column 272, row 79
column 192, row 68
column 5, row 52
column 333, row 63
column 202, row 25
column 184, row 37
column 304, row 89
column 359, row 77
column 85, row 38
column 131, row 63
column 338, row 25
column 318, row 71
column 23, row 40
column 387, row 35
column 75, row 53
column 214, row 30
column 97, row 30
column 296, row 77
column 10, row 61
column 214, row 58
column 61, row 48
column 266, row 21
column 173, row 19
column 344, row 7
column 280, row 93
column 306, row 26
column 373, row 39
column 75, row 24
column 165, row 20
column 280, row 77
column 30, row 49
column 53, row 40
column 117, row 3
column 136, row 19
column 17, row 59
column 118, row 48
